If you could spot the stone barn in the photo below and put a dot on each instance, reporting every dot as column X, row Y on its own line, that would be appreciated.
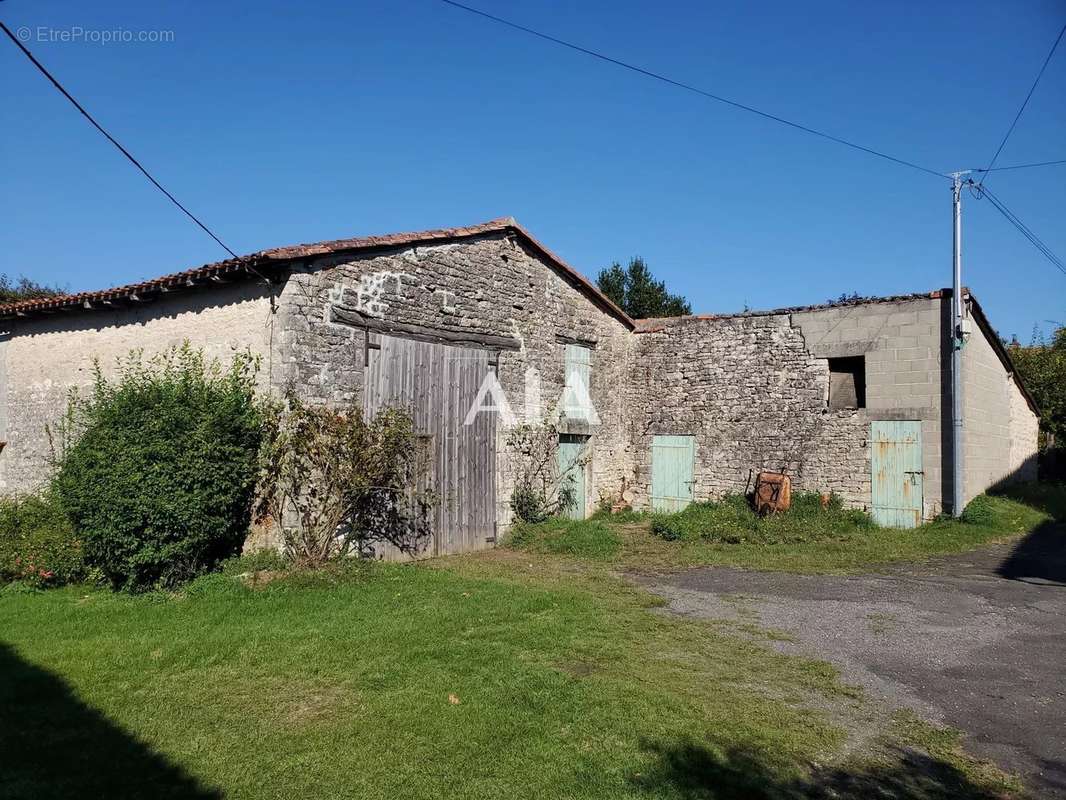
column 479, row 328
column 852, row 398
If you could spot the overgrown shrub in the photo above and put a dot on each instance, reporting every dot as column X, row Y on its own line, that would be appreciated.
column 731, row 520
column 539, row 492
column 980, row 511
column 157, row 466
column 334, row 481
column 37, row 542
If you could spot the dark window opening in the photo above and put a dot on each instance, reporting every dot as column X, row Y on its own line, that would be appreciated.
column 847, row 382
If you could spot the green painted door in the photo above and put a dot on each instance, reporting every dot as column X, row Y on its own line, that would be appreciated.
column 572, row 470
column 672, row 461
column 896, row 473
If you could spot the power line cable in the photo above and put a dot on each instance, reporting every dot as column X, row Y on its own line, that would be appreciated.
column 1025, row 230
column 1032, row 89
column 1022, row 166
column 690, row 88
column 111, row 138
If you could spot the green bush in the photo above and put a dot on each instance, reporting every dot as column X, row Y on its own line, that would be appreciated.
column 37, row 542
column 980, row 511
column 349, row 483
column 158, row 467
column 731, row 520
column 539, row 493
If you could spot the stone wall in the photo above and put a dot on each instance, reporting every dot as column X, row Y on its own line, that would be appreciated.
column 490, row 286
column 754, row 397
column 45, row 357
column 754, row 391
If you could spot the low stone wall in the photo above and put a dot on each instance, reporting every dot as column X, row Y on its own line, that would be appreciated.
column 750, row 392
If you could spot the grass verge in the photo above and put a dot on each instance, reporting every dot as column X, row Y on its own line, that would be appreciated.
column 808, row 539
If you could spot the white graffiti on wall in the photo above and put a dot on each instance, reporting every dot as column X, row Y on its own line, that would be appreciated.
column 372, row 290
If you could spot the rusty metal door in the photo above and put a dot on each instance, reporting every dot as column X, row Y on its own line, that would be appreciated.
column 438, row 384
column 896, row 472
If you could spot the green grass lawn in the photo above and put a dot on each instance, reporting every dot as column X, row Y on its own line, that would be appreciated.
column 531, row 672
column 806, row 540
column 501, row 675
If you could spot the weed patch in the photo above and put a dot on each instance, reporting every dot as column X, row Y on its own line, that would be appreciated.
column 731, row 520
column 590, row 539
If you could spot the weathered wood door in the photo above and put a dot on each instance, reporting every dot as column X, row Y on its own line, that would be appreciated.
column 571, row 457
column 438, row 384
column 673, row 460
column 896, row 473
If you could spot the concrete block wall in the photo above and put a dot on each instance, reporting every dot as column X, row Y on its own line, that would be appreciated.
column 1024, row 435
column 1000, row 429
column 901, row 343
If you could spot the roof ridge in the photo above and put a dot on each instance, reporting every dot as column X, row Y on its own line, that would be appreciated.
column 248, row 264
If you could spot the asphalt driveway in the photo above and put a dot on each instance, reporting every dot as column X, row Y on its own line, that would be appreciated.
column 976, row 641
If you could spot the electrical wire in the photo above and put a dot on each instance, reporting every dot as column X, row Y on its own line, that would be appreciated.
column 1032, row 89
column 111, row 138
column 690, row 88
column 984, row 192
column 1022, row 166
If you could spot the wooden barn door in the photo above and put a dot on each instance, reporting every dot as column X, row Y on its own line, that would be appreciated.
column 896, row 473
column 438, row 384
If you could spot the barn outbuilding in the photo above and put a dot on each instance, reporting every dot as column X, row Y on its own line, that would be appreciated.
column 849, row 398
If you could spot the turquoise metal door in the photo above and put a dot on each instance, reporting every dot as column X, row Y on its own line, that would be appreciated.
column 572, row 470
column 896, row 473
column 673, row 459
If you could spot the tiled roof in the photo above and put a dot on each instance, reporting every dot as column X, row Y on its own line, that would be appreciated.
column 261, row 263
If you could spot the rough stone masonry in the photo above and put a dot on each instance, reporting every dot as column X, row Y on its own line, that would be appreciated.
column 753, row 390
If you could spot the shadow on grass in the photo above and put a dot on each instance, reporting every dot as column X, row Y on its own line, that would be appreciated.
column 53, row 745
column 690, row 770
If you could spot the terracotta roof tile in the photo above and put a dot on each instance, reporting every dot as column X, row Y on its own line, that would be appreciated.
column 264, row 260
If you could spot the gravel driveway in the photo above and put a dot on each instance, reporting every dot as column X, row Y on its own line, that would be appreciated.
column 976, row 641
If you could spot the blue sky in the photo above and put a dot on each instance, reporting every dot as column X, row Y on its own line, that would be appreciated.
column 286, row 122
